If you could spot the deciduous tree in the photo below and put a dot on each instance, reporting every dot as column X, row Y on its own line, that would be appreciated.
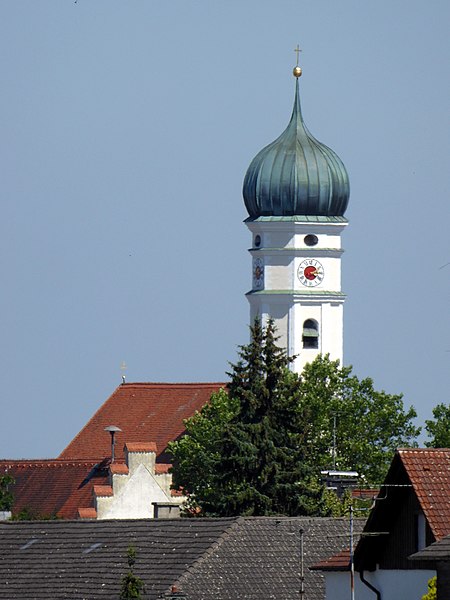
column 439, row 427
column 6, row 496
column 259, row 448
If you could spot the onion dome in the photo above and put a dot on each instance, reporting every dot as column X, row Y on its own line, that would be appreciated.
column 296, row 174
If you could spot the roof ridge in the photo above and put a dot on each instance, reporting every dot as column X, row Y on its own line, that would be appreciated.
column 46, row 462
column 423, row 450
column 172, row 383
column 235, row 522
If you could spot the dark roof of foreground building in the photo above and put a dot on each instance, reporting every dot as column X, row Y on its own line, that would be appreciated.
column 152, row 412
column 417, row 480
column 435, row 552
column 208, row 559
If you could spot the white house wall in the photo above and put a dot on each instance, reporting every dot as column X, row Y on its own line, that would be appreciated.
column 134, row 498
column 393, row 584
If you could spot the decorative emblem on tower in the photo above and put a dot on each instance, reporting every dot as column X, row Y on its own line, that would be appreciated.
column 258, row 274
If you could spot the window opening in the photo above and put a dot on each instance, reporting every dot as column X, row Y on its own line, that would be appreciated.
column 310, row 335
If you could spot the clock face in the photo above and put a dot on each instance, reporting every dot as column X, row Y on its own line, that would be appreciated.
column 310, row 272
column 258, row 274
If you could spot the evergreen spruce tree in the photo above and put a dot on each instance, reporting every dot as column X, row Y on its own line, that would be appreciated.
column 258, row 464
column 132, row 586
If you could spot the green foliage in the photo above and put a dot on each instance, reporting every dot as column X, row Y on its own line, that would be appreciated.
column 197, row 453
column 6, row 496
column 432, row 589
column 439, row 428
column 132, row 586
column 259, row 449
column 370, row 425
column 244, row 453
column 339, row 507
column 30, row 514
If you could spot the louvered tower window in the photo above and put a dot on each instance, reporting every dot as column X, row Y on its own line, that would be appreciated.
column 310, row 336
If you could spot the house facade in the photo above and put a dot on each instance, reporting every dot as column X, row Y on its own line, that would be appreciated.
column 411, row 512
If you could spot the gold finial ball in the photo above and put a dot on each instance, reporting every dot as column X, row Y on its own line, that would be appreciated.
column 297, row 71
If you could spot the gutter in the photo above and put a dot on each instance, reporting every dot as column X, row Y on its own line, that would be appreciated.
column 369, row 585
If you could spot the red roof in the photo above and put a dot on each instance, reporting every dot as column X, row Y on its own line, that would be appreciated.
column 87, row 513
column 365, row 494
column 141, row 447
column 149, row 415
column 145, row 412
column 337, row 562
column 103, row 490
column 429, row 472
column 53, row 488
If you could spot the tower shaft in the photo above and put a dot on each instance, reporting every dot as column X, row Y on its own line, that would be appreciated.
column 296, row 281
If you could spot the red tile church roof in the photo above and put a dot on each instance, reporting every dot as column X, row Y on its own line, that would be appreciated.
column 146, row 412
column 149, row 414
column 53, row 488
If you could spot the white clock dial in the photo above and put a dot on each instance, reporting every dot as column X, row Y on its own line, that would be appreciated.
column 310, row 272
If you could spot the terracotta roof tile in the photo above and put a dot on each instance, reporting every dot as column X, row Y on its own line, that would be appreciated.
column 337, row 562
column 103, row 490
column 87, row 513
column 54, row 487
column 365, row 494
column 144, row 412
column 429, row 472
column 141, row 446
column 147, row 413
column 161, row 468
column 118, row 469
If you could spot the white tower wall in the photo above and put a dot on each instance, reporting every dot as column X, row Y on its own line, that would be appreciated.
column 280, row 289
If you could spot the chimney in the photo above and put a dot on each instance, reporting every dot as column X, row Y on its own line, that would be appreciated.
column 166, row 510
column 175, row 593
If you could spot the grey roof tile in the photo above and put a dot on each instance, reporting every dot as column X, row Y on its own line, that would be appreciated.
column 220, row 559
column 259, row 558
column 438, row 551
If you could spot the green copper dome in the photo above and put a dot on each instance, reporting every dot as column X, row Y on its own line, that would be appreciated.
column 296, row 175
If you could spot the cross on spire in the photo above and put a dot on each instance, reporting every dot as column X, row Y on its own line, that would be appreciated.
column 297, row 51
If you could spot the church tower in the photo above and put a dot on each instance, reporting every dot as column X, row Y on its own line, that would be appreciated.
column 296, row 192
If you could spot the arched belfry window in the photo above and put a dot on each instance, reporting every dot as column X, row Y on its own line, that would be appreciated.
column 310, row 335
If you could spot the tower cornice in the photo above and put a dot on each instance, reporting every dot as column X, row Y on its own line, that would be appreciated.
column 296, row 219
column 288, row 251
column 304, row 295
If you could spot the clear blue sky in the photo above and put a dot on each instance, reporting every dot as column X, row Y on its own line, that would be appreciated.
column 126, row 131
